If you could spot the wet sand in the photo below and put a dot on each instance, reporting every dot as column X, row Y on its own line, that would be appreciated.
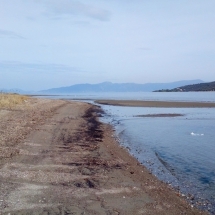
column 57, row 158
column 161, row 115
column 166, row 104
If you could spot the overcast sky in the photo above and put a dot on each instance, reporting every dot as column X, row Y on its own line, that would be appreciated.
column 54, row 43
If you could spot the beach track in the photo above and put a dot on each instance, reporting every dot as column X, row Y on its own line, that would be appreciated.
column 57, row 158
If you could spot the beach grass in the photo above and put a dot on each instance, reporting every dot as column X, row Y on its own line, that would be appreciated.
column 9, row 100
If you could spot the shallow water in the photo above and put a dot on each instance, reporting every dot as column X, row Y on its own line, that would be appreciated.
column 178, row 150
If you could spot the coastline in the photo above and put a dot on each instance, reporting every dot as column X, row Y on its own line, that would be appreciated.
column 61, row 159
column 166, row 104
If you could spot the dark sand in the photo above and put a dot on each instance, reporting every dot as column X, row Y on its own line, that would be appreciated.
column 161, row 115
column 56, row 158
column 135, row 103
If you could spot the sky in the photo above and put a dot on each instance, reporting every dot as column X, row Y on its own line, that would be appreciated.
column 54, row 43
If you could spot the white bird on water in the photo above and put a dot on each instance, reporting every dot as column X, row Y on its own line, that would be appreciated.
column 192, row 133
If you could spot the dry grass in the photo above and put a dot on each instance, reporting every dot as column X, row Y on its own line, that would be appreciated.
column 10, row 101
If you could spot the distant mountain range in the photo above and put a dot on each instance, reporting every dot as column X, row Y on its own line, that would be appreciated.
column 110, row 87
column 210, row 86
column 116, row 87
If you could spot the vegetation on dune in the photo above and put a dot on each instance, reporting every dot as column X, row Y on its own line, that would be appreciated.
column 192, row 88
column 11, row 100
column 199, row 87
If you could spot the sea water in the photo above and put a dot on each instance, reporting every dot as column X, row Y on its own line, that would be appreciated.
column 179, row 150
column 149, row 96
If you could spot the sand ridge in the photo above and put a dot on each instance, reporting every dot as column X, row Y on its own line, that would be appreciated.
column 166, row 104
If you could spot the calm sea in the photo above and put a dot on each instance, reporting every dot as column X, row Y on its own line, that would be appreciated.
column 178, row 150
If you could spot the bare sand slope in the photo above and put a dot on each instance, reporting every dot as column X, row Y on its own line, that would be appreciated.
column 69, row 163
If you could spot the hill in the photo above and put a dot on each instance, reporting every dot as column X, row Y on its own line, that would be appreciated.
column 116, row 87
column 210, row 86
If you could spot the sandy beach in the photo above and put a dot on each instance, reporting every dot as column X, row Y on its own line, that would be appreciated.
column 57, row 158
column 166, row 104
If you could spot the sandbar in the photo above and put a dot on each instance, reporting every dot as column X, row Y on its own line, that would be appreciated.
column 165, row 104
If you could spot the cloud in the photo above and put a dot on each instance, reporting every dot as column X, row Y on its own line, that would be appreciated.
column 14, row 66
column 70, row 7
column 10, row 34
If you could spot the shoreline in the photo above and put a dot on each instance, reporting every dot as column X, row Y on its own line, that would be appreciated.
column 166, row 104
column 69, row 162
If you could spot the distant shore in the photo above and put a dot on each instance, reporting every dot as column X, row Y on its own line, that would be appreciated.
column 166, row 104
